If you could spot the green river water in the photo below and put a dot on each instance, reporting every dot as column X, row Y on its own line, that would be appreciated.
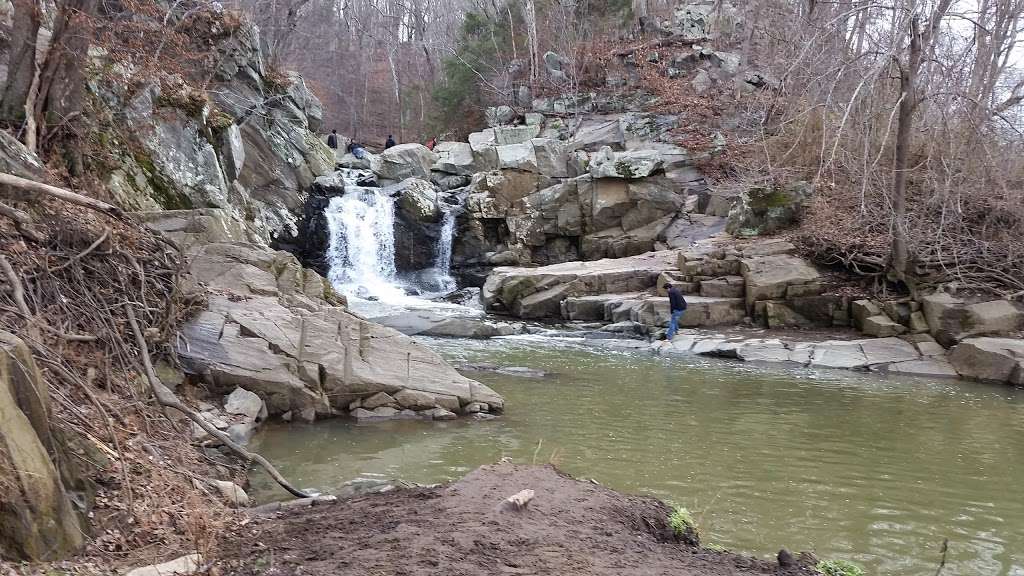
column 869, row 468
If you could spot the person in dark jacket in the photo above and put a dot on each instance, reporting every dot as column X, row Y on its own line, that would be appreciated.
column 358, row 150
column 390, row 142
column 676, row 305
column 332, row 140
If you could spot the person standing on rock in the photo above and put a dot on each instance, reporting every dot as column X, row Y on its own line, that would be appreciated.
column 676, row 305
column 389, row 142
column 332, row 140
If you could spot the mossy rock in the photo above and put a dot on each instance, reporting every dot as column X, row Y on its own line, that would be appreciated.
column 764, row 210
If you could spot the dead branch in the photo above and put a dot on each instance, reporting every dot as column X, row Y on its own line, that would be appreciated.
column 166, row 398
column 60, row 194
column 22, row 222
column 18, row 294
column 674, row 39
column 17, row 290
column 82, row 254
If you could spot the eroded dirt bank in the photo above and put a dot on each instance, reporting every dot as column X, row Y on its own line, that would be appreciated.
column 570, row 527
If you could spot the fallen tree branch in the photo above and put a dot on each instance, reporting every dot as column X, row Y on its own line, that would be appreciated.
column 166, row 398
column 17, row 290
column 22, row 222
column 80, row 255
column 60, row 194
column 674, row 39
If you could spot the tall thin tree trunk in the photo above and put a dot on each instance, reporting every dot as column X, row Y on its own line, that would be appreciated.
column 904, row 139
column 398, row 92
column 530, row 18
column 22, row 68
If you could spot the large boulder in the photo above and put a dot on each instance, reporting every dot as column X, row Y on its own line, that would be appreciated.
column 272, row 328
column 630, row 165
column 770, row 277
column 994, row 317
column 551, row 157
column 503, row 136
column 191, row 228
column 455, row 158
column 700, row 312
column 766, row 210
column 417, row 199
column 945, row 315
column 517, row 157
column 990, row 359
column 950, row 319
column 499, row 115
column 555, row 66
column 37, row 518
column 405, row 161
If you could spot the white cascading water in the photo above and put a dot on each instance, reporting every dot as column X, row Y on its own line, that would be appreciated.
column 443, row 259
column 362, row 242
column 361, row 252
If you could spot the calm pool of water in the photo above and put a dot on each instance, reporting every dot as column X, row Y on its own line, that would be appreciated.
column 873, row 469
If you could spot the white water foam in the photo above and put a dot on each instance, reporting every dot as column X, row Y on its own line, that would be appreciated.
column 361, row 251
column 443, row 259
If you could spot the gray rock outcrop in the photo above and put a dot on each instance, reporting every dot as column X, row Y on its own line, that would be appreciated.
column 37, row 519
column 538, row 292
column 277, row 330
column 246, row 146
column 765, row 210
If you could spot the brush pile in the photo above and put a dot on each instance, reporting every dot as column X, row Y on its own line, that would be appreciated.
column 74, row 271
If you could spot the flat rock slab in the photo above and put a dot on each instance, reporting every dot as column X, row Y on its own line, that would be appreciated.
column 934, row 367
column 886, row 350
column 183, row 566
column 764, row 351
column 838, row 354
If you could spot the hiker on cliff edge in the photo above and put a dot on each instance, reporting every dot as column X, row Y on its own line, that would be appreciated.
column 332, row 140
column 676, row 305
column 389, row 142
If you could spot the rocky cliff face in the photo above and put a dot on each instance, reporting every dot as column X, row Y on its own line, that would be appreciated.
column 246, row 144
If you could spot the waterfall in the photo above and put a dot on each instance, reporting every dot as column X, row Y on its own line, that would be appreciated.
column 443, row 258
column 361, row 250
column 361, row 255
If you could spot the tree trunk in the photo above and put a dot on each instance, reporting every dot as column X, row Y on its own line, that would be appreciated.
column 61, row 97
column 530, row 18
column 21, row 69
column 904, row 127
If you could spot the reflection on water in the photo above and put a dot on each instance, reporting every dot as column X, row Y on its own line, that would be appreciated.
column 873, row 469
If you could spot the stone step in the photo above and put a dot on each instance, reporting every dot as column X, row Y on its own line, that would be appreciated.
column 598, row 307
column 701, row 311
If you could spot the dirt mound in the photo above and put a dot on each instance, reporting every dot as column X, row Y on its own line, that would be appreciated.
column 570, row 527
